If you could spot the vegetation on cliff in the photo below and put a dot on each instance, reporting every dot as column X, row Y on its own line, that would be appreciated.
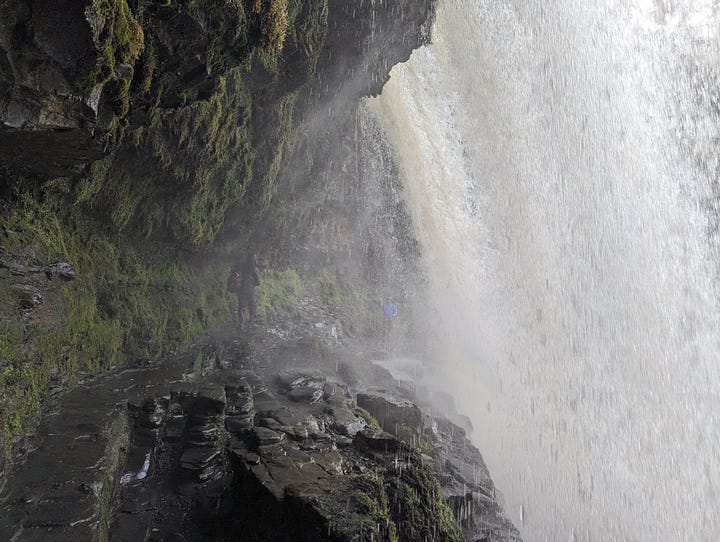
column 129, row 303
column 211, row 116
column 224, row 127
column 402, row 504
column 187, row 139
column 206, row 114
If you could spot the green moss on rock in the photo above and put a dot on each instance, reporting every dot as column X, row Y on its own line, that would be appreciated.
column 370, row 420
column 128, row 304
column 279, row 294
column 400, row 504
column 419, row 509
column 363, row 512
column 118, row 442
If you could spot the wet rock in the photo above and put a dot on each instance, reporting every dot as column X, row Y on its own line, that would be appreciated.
column 239, row 400
column 198, row 458
column 306, row 394
column 303, row 469
column 345, row 421
column 301, row 431
column 75, row 533
column 244, row 454
column 375, row 440
column 301, row 379
column 314, row 426
column 467, row 486
column 205, row 432
column 240, row 408
column 464, row 422
column 174, row 429
column 137, row 498
column 61, row 510
column 330, row 461
column 285, row 472
column 272, row 423
column 133, row 527
column 336, row 389
column 238, row 424
column 398, row 416
column 343, row 442
column 211, row 399
column 265, row 403
column 262, row 436
column 62, row 269
column 147, row 412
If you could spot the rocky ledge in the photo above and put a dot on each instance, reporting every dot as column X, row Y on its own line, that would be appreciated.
column 270, row 437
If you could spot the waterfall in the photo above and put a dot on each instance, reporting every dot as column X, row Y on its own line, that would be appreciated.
column 559, row 161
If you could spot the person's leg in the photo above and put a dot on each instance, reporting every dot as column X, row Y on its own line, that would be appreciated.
column 252, row 305
column 240, row 309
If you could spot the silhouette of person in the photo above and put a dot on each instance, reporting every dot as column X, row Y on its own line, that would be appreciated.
column 249, row 274
column 390, row 311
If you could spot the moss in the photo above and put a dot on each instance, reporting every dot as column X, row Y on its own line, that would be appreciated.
column 330, row 290
column 149, row 64
column 203, row 149
column 90, row 184
column 118, row 34
column 418, row 507
column 212, row 141
column 365, row 512
column 118, row 440
column 120, row 40
column 370, row 420
column 279, row 294
column 359, row 302
column 127, row 305
column 274, row 25
column 277, row 124
column 311, row 30
column 401, row 504
column 20, row 399
column 181, row 174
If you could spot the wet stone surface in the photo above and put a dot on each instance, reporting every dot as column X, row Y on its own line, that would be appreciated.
column 63, row 490
column 228, row 453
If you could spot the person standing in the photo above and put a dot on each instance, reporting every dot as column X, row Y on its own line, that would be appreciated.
column 244, row 278
column 390, row 311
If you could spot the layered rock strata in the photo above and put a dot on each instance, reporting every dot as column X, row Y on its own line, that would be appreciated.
column 258, row 440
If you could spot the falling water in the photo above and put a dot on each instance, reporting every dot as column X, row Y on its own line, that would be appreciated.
column 560, row 164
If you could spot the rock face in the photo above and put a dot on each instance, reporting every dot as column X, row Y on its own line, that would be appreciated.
column 222, row 452
column 48, row 109
column 365, row 39
column 458, row 465
column 297, row 471
column 250, row 447
column 398, row 416
column 202, row 123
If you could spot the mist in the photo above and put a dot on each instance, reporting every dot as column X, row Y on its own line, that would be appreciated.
column 558, row 168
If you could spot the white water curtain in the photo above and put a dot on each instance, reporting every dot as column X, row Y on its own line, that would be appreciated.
column 560, row 164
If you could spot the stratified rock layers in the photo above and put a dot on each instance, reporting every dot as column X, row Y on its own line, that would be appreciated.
column 220, row 448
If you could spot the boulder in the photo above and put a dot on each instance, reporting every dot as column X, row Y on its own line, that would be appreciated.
column 211, row 399
column 301, row 378
column 398, row 416
column 375, row 440
column 345, row 421
column 306, row 394
column 262, row 436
